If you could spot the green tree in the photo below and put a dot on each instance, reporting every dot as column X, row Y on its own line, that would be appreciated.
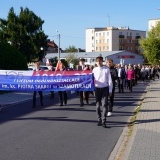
column 151, row 45
column 71, row 58
column 71, row 49
column 24, row 31
column 11, row 58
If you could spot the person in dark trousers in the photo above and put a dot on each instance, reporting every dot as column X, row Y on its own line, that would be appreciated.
column 103, row 89
column 37, row 68
column 51, row 68
column 130, row 77
column 62, row 94
column 121, row 78
column 114, row 76
column 82, row 94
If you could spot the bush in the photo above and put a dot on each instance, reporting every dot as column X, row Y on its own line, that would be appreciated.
column 11, row 58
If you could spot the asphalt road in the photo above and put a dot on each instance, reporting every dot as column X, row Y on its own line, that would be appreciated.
column 63, row 133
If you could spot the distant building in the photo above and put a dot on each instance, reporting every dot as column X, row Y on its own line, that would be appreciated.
column 113, row 39
column 123, row 57
column 153, row 23
column 52, row 47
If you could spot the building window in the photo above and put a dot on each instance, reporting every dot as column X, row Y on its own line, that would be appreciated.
column 107, row 40
column 107, row 48
column 92, row 38
column 100, row 48
column 120, row 33
column 96, row 41
column 103, row 33
column 137, row 34
column 103, row 47
column 99, row 34
column 99, row 41
column 96, row 48
column 107, row 33
column 96, row 34
column 131, row 34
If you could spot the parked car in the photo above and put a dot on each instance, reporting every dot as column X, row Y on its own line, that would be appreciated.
column 44, row 68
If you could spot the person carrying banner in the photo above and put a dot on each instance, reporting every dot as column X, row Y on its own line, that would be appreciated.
column 82, row 94
column 51, row 68
column 62, row 94
column 37, row 68
column 103, row 89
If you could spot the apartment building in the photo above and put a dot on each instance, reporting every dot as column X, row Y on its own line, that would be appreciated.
column 153, row 23
column 113, row 39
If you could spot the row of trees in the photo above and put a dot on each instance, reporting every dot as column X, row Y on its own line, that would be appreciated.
column 24, row 32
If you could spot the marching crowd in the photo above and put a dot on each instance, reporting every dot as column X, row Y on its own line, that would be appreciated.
column 106, row 78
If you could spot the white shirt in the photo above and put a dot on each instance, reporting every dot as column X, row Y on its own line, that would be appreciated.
column 119, row 72
column 102, row 77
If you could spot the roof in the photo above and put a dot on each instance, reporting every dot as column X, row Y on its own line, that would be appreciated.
column 86, row 54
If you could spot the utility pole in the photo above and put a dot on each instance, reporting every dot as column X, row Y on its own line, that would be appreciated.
column 59, row 36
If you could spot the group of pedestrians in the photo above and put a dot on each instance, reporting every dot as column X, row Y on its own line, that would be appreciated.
column 106, row 78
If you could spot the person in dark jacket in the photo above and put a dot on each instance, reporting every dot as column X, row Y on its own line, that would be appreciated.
column 114, row 76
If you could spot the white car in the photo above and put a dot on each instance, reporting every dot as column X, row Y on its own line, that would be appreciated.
column 44, row 68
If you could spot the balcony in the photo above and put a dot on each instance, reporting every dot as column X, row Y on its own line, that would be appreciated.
column 121, row 36
column 137, row 37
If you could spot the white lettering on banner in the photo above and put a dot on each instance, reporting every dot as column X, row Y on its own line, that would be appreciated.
column 23, row 80
column 75, row 86
column 57, row 80
column 46, row 80
column 12, row 86
column 40, row 86
column 5, row 86
column 25, row 86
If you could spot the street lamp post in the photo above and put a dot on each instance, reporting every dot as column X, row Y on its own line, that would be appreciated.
column 59, row 45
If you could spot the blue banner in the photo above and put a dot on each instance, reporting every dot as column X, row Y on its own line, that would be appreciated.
column 47, row 83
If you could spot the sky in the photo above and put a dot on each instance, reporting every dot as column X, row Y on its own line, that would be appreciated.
column 71, row 18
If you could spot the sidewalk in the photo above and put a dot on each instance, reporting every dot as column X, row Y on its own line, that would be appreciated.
column 144, row 142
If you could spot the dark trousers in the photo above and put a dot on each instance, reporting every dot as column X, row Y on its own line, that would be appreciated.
column 101, row 95
column 130, row 84
column 82, row 94
column 62, row 97
column 34, row 98
column 121, row 85
column 111, row 101
column 52, row 95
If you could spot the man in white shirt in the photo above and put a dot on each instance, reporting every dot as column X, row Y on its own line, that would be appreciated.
column 103, row 89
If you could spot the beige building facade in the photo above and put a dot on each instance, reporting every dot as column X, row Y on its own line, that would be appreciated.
column 153, row 23
column 113, row 39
